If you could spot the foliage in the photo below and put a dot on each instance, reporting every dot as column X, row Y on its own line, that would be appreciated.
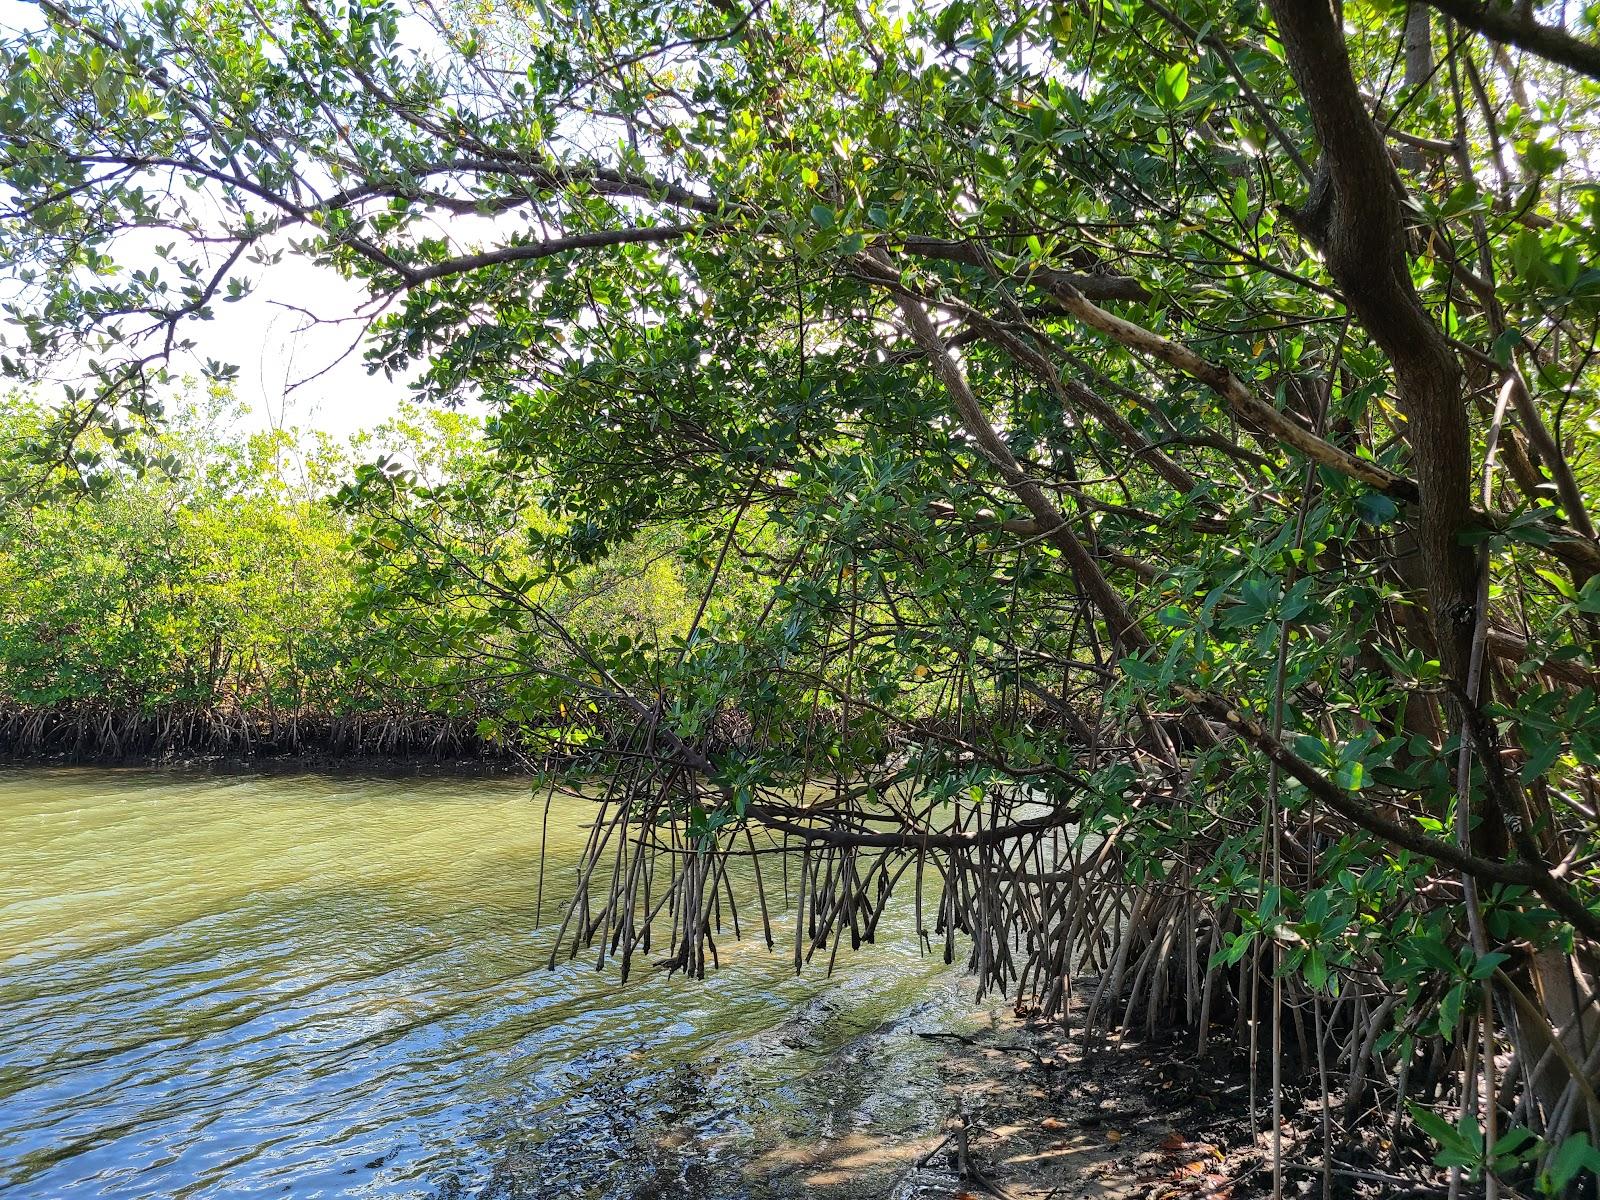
column 213, row 587
column 236, row 585
column 1148, row 437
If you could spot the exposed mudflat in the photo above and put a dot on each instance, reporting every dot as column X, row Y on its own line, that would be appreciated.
column 1030, row 1116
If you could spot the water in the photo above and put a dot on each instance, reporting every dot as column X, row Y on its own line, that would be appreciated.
column 318, row 986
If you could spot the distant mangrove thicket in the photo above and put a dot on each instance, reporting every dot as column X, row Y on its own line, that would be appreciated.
column 222, row 595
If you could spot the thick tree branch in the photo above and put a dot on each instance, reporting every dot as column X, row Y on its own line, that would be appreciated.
column 1088, row 283
column 1250, row 408
column 1528, row 873
column 1516, row 27
column 1121, row 622
column 1355, row 215
column 530, row 251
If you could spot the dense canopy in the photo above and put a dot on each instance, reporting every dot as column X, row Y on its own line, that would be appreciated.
column 1136, row 454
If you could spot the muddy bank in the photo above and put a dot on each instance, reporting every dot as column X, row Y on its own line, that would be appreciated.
column 1031, row 1116
column 302, row 762
column 914, row 1110
column 88, row 732
column 1034, row 1114
column 93, row 733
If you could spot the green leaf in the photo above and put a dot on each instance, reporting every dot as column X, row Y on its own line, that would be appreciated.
column 1513, row 1140
column 1351, row 776
column 950, row 21
column 1575, row 1154
column 1239, row 202
column 1316, row 969
column 1486, row 965
column 1173, row 84
column 1508, row 341
column 1375, row 508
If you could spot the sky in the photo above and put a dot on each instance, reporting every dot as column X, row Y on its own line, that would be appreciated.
column 293, row 372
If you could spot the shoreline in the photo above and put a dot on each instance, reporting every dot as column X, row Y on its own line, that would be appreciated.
column 105, row 736
column 1036, row 1114
column 372, row 742
column 314, row 762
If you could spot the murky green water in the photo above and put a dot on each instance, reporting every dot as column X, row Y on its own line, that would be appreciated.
column 312, row 986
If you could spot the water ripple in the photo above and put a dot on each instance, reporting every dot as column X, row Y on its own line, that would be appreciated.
column 303, row 986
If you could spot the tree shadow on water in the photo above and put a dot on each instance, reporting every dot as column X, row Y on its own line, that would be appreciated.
column 623, row 1134
column 795, row 1109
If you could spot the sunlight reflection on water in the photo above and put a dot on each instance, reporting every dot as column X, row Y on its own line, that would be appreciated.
column 326, row 986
